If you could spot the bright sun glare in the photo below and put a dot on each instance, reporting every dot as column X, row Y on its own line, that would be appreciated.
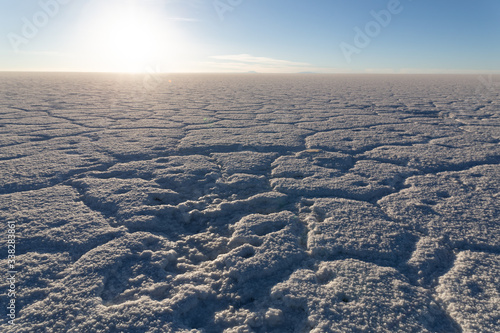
column 133, row 38
column 133, row 41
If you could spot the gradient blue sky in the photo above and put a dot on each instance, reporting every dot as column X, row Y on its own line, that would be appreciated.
column 251, row 35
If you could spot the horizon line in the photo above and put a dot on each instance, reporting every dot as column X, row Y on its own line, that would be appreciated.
column 479, row 72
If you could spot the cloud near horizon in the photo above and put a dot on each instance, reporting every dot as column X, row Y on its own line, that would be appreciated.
column 247, row 58
column 247, row 62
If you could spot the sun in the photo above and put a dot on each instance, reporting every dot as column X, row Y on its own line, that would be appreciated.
column 133, row 41
column 129, row 36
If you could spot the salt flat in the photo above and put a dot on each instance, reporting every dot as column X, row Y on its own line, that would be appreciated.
column 251, row 203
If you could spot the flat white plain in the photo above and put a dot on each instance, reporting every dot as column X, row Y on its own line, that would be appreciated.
column 251, row 203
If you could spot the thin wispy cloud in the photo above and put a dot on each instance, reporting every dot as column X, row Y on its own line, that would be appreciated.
column 250, row 63
column 247, row 58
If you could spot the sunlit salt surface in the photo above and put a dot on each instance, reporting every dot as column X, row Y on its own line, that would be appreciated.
column 251, row 203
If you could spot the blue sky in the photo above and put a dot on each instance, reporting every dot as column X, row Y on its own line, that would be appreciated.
column 389, row 36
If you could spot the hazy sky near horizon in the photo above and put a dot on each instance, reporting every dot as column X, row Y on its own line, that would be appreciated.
column 330, row 36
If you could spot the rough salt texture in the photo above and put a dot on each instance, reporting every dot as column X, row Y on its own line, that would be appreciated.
column 351, row 296
column 470, row 291
column 251, row 203
column 356, row 229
